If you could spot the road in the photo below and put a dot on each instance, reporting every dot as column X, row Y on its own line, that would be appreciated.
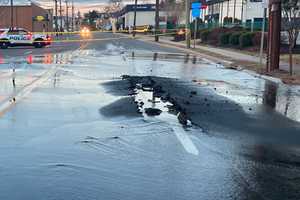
column 175, row 126
column 96, row 41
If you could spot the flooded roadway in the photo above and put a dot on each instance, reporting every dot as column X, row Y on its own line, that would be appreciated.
column 77, row 130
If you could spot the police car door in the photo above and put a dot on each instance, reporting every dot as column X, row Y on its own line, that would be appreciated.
column 13, row 36
column 25, row 37
column 19, row 37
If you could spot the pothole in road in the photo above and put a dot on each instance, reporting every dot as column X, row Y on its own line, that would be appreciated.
column 153, row 101
column 148, row 99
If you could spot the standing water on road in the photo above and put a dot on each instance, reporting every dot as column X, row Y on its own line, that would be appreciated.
column 123, row 124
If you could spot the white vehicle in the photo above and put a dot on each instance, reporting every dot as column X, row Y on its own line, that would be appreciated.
column 22, row 37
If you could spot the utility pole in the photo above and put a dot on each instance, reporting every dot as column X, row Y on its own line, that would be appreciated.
column 274, row 35
column 78, row 20
column 72, row 16
column 156, row 20
column 56, row 24
column 221, row 14
column 187, row 24
column 234, row 8
column 11, row 13
column 134, row 18
column 60, row 15
column 67, row 16
column 227, row 9
column 242, row 12
column 195, row 30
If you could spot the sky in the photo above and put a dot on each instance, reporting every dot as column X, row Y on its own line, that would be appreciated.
column 82, row 5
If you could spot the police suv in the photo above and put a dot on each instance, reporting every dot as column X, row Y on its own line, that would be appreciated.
column 21, row 37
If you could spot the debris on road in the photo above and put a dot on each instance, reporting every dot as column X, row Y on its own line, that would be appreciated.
column 152, row 111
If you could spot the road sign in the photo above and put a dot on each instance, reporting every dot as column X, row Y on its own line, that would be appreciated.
column 196, row 12
column 196, row 5
column 196, row 9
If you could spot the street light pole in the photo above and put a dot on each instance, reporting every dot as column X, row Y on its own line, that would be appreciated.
column 187, row 24
column 234, row 8
column 60, row 15
column 67, row 16
column 134, row 18
column 56, row 24
column 195, row 30
column 156, row 20
column 11, row 13
column 262, row 37
column 72, row 15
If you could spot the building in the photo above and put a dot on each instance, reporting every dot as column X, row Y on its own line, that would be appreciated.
column 214, row 11
column 241, row 10
column 145, row 15
column 31, row 17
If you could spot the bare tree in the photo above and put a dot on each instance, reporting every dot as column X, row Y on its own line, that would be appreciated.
column 291, row 14
column 114, row 5
column 173, row 8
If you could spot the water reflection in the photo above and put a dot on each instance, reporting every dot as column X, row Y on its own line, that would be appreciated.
column 29, row 59
column 47, row 58
column 1, row 59
column 160, row 56
column 155, row 56
column 270, row 94
column 281, row 98
column 186, row 58
column 274, row 168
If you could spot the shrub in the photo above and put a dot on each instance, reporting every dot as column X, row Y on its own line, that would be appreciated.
column 257, row 39
column 224, row 38
column 234, row 38
column 204, row 35
column 227, row 20
column 236, row 28
column 215, row 34
column 237, row 21
column 246, row 39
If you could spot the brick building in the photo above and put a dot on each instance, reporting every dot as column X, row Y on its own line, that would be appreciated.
column 31, row 17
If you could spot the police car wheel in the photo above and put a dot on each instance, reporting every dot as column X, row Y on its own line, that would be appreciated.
column 39, row 44
column 4, row 45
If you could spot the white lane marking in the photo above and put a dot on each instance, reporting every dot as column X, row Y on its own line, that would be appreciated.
column 185, row 140
column 10, row 101
column 14, row 98
column 28, row 52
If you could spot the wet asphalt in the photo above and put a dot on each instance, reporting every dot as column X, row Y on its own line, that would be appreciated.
column 77, row 126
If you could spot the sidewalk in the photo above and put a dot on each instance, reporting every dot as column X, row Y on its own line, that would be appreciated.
column 227, row 54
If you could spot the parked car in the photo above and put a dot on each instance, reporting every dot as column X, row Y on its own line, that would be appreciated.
column 21, row 37
column 179, row 35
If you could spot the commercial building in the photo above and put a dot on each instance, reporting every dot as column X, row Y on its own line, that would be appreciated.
column 31, row 17
column 241, row 10
column 213, row 11
column 145, row 15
